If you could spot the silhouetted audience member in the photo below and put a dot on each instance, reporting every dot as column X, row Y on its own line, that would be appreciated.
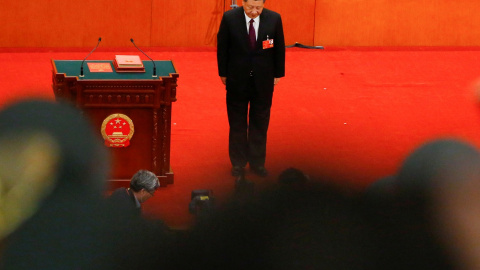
column 316, row 227
column 293, row 177
column 54, row 216
column 450, row 173
column 409, row 220
column 142, row 187
column 383, row 187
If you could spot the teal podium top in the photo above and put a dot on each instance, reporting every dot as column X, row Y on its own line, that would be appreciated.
column 71, row 68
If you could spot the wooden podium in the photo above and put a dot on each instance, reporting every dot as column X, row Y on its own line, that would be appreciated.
column 146, row 101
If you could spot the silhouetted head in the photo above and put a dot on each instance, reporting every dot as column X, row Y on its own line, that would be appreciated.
column 47, row 149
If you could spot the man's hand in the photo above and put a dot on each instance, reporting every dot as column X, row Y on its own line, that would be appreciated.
column 275, row 81
column 224, row 80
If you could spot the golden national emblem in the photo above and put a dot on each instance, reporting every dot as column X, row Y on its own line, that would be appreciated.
column 117, row 130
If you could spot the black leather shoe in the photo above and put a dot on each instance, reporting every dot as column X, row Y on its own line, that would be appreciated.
column 238, row 171
column 259, row 170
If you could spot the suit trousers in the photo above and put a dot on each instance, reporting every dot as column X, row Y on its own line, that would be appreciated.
column 248, row 117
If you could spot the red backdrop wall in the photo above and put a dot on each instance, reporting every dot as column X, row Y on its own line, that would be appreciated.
column 397, row 23
column 59, row 23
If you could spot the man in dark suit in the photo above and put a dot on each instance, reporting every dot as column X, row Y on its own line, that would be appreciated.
column 142, row 187
column 251, row 60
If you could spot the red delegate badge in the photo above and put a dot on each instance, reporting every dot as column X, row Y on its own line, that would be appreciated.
column 267, row 44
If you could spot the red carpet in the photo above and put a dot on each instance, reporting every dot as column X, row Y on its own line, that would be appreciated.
column 349, row 114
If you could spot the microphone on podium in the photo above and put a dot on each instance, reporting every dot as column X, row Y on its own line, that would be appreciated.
column 154, row 66
column 81, row 68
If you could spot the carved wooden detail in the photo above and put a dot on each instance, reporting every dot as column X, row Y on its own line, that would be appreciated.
column 99, row 99
column 155, row 140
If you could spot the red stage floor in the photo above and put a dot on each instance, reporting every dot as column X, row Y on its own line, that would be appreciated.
column 346, row 114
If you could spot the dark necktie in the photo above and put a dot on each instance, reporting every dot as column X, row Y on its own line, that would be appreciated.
column 251, row 34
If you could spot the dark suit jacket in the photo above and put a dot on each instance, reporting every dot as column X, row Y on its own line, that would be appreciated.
column 124, row 199
column 236, row 59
